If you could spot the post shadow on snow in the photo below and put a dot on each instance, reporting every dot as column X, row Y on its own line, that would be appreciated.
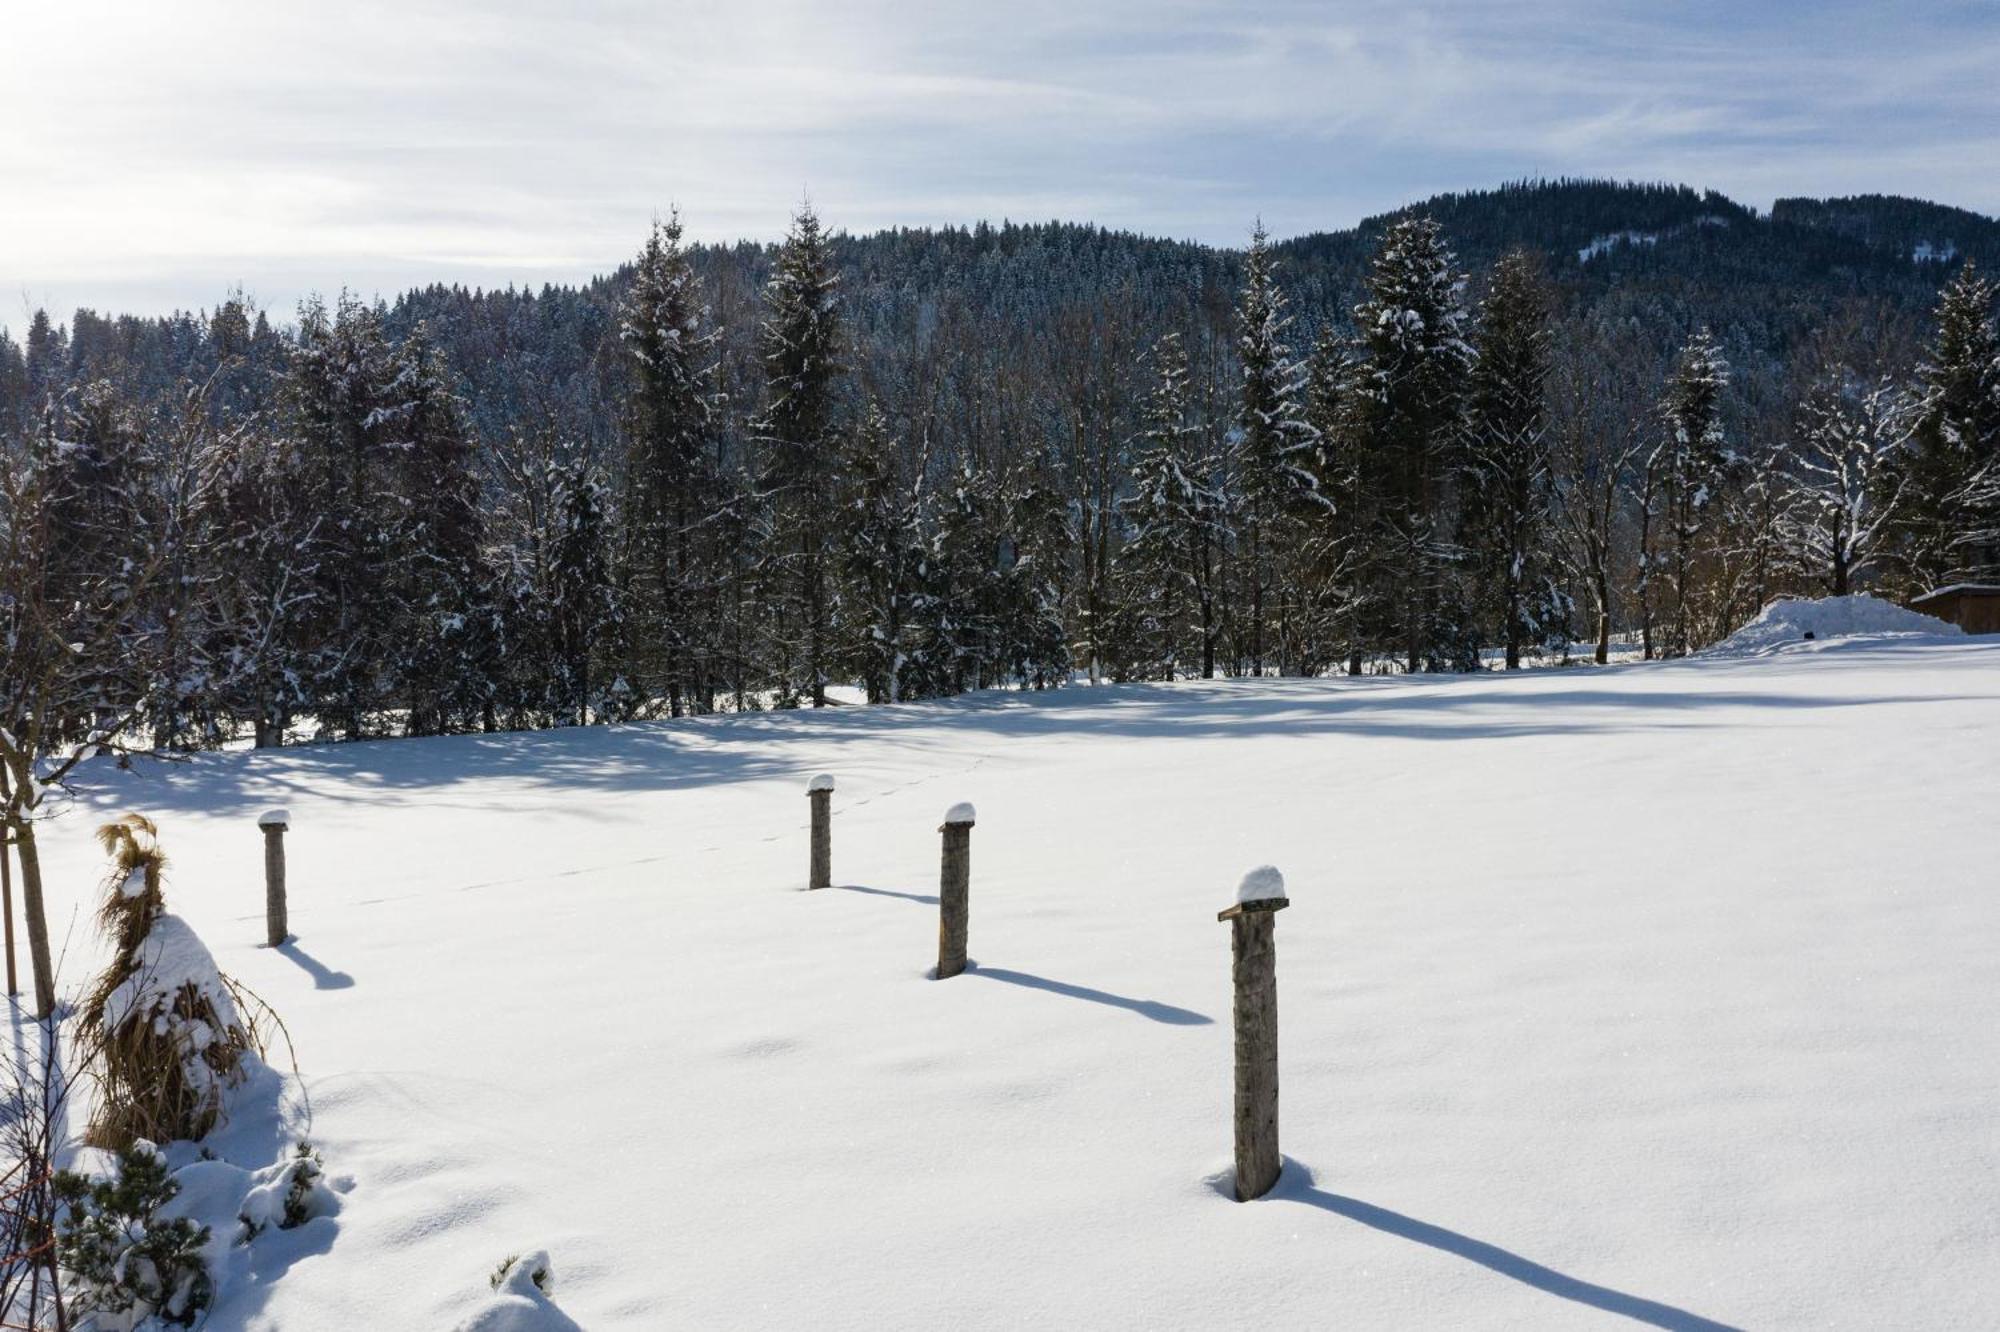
column 323, row 977
column 1296, row 1184
column 925, row 899
column 1146, row 1008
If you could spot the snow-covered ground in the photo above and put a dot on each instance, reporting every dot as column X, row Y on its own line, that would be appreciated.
column 1664, row 993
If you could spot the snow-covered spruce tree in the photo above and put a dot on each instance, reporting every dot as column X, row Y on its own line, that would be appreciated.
column 1509, row 490
column 1274, row 448
column 267, row 535
column 1031, row 552
column 1175, row 518
column 337, row 371
column 440, row 657
column 577, row 587
column 882, row 552
column 1690, row 467
column 1954, row 446
column 1338, row 551
column 1409, row 391
column 956, row 629
column 671, row 485
column 798, row 433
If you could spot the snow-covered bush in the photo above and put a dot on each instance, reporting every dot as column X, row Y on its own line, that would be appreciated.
column 123, row 1262
column 287, row 1195
column 521, row 1285
column 162, row 1022
column 512, row 1271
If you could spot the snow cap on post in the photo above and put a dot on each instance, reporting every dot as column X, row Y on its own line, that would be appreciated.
column 275, row 818
column 823, row 782
column 1262, row 889
column 1261, row 885
column 959, row 813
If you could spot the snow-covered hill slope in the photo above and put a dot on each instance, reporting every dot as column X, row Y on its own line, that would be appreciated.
column 1656, row 993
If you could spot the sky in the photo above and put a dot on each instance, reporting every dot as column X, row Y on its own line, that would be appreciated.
column 156, row 156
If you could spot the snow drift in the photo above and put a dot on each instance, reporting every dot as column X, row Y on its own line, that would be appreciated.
column 1789, row 621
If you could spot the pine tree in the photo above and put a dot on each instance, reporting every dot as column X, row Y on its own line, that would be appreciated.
column 801, row 352
column 1167, row 569
column 1509, row 493
column 14, row 409
column 268, row 532
column 1410, row 377
column 441, row 640
column 45, row 362
column 1691, row 464
column 1941, row 532
column 881, row 541
column 577, row 587
column 337, row 374
column 1275, row 446
column 1031, row 550
column 956, row 629
column 1339, row 551
column 672, row 489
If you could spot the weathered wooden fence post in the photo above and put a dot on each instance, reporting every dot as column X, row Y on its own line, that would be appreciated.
column 274, row 822
column 820, row 791
column 1254, row 965
column 954, row 890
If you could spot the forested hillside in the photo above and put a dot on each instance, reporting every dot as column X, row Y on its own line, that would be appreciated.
column 925, row 461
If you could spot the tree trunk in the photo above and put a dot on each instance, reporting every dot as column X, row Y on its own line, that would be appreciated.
column 37, row 916
column 7, row 905
column 1513, row 624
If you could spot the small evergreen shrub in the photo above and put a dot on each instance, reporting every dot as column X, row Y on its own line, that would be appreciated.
column 288, row 1195
column 308, row 1167
column 537, row 1271
column 121, row 1258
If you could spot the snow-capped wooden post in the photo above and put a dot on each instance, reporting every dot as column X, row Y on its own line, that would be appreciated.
column 820, row 791
column 954, row 889
column 1254, row 965
column 274, row 822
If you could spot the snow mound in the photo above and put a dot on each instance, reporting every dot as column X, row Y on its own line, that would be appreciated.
column 171, row 958
column 275, row 818
column 823, row 782
column 1263, row 884
column 1790, row 620
column 521, row 1300
column 959, row 813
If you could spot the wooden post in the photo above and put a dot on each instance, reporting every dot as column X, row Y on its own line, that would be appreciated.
column 820, row 791
column 274, row 822
column 1254, row 965
column 7, row 905
column 954, row 890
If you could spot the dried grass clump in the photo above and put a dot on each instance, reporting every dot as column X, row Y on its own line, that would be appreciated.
column 163, row 1025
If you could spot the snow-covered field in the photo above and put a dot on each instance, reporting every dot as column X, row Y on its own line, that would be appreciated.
column 1664, row 993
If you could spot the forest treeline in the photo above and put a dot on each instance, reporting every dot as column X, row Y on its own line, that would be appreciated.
column 1505, row 425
